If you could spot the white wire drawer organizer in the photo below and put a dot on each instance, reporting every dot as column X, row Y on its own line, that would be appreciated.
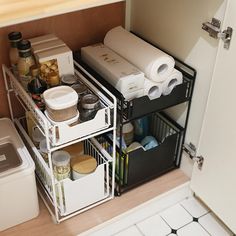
column 67, row 197
column 61, row 132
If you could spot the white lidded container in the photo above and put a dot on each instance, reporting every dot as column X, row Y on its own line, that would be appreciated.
column 18, row 193
column 61, row 103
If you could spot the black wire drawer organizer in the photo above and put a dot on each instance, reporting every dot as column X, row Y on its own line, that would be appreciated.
column 141, row 165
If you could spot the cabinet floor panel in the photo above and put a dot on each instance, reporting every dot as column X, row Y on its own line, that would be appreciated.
column 43, row 224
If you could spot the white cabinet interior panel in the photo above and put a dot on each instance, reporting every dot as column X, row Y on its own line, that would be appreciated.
column 18, row 11
column 176, row 27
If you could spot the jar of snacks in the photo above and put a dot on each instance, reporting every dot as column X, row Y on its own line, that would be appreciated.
column 53, row 79
column 61, row 164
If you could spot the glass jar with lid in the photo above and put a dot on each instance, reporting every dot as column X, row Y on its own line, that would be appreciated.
column 53, row 79
column 61, row 165
column 26, row 60
column 14, row 39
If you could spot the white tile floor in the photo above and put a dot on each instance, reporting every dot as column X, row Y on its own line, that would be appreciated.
column 187, row 217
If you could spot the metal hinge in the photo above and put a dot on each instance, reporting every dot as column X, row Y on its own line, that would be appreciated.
column 213, row 28
column 191, row 150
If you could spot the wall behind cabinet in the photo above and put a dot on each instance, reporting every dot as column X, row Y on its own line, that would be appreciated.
column 176, row 27
column 77, row 29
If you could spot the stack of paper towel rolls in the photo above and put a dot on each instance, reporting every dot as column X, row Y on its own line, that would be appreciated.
column 158, row 67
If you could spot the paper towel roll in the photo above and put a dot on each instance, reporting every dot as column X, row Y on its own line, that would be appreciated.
column 156, row 64
column 152, row 89
column 115, row 69
column 173, row 80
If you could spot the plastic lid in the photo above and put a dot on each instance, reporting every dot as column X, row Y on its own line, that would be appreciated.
column 84, row 164
column 24, row 45
column 60, row 97
column 13, row 36
column 9, row 158
column 80, row 88
column 60, row 158
column 69, row 79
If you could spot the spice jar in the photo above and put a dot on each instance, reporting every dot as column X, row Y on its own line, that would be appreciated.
column 26, row 60
column 81, row 89
column 61, row 164
column 89, row 101
column 36, row 87
column 69, row 79
column 53, row 79
column 89, row 105
column 14, row 38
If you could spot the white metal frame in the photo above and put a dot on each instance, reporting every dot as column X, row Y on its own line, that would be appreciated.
column 12, row 85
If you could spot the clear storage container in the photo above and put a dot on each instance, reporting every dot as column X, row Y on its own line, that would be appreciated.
column 61, row 103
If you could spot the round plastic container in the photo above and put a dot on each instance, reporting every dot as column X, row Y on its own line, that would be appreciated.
column 82, row 166
column 61, row 103
column 61, row 164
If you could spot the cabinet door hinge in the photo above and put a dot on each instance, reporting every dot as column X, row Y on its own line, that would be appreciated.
column 213, row 28
column 190, row 149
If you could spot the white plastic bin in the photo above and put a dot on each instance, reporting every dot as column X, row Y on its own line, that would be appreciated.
column 18, row 193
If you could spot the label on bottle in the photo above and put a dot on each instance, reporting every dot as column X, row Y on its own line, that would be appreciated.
column 24, row 81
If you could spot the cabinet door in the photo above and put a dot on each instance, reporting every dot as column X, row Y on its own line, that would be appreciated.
column 215, row 183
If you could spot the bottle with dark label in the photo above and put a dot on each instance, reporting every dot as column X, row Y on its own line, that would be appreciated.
column 26, row 60
column 36, row 87
column 14, row 38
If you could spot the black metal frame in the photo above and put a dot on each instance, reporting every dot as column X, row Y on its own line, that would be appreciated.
column 130, row 110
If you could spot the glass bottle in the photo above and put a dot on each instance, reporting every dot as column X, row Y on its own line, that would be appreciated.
column 14, row 38
column 36, row 87
column 26, row 60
